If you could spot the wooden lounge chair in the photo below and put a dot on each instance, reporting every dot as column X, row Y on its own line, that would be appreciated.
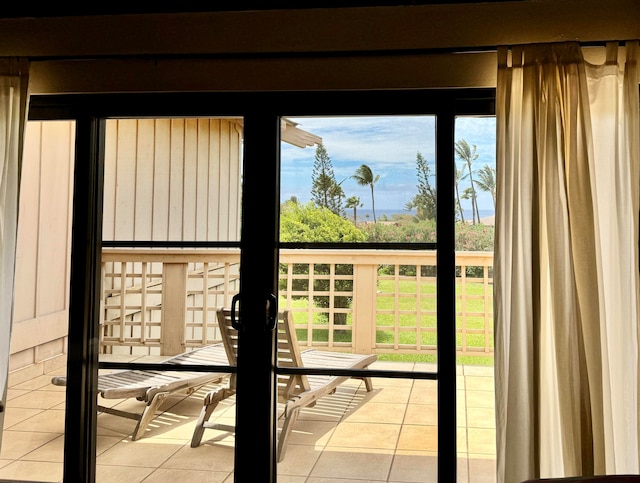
column 152, row 386
column 294, row 391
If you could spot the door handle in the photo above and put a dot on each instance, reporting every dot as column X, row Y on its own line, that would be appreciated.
column 271, row 314
column 235, row 323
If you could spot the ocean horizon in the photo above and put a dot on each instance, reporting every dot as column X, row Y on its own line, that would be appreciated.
column 366, row 214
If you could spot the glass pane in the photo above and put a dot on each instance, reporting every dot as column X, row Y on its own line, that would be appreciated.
column 178, row 181
column 366, row 179
column 475, row 151
column 387, row 434
column 173, row 180
column 33, row 430
column 364, row 302
column 348, row 303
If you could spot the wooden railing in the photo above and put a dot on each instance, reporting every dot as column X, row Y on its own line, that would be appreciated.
column 364, row 301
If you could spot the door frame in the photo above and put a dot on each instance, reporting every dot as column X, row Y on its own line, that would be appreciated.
column 261, row 111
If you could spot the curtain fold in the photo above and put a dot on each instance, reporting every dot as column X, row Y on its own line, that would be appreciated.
column 566, row 262
column 14, row 80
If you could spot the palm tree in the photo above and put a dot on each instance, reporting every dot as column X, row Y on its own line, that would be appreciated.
column 487, row 181
column 353, row 202
column 458, row 177
column 364, row 177
column 468, row 155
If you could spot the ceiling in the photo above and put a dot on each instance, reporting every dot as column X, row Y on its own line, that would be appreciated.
column 31, row 9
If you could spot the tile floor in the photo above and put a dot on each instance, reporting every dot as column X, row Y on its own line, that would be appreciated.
column 387, row 435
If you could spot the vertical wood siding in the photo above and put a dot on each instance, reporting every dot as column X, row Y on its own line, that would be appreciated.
column 172, row 179
column 165, row 179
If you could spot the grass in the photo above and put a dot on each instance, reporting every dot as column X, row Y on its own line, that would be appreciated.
column 474, row 303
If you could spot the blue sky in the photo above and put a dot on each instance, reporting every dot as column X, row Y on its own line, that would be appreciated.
column 388, row 145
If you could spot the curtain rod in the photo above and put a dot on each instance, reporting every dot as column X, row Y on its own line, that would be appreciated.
column 307, row 55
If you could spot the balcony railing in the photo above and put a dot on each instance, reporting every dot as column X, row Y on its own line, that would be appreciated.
column 364, row 301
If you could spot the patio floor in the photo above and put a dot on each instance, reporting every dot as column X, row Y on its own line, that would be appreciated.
column 387, row 435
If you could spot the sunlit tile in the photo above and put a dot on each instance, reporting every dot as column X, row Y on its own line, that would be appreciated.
column 418, row 438
column 363, row 464
column 365, row 435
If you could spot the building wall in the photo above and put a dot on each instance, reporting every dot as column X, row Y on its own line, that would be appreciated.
column 164, row 180
column 41, row 297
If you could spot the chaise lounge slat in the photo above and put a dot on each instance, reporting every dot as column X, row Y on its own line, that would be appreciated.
column 152, row 386
column 294, row 391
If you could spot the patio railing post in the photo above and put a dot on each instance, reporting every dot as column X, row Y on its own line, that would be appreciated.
column 174, row 308
column 364, row 308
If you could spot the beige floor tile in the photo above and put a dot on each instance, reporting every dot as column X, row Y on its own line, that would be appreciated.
column 418, row 438
column 171, row 425
column 346, row 463
column 148, row 453
column 425, row 367
column 340, row 480
column 217, row 458
column 36, row 383
column 471, row 370
column 218, row 437
column 414, row 466
column 37, row 400
column 312, row 433
column 111, row 425
column 482, row 440
column 49, row 421
column 480, row 399
column 16, row 444
column 298, row 460
column 393, row 366
column 480, row 383
column 120, row 474
column 424, row 394
column 333, row 407
column 462, row 440
column 376, row 412
column 481, row 417
column 184, row 476
column 461, row 409
column 463, row 468
column 381, row 382
column 394, row 394
column 460, row 382
column 482, row 469
column 421, row 414
column 289, row 479
column 14, row 393
column 52, row 452
column 103, row 443
column 32, row 471
column 365, row 435
column 343, row 421
column 14, row 416
column 426, row 384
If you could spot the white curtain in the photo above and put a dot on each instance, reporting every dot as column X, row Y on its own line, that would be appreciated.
column 566, row 262
column 14, row 79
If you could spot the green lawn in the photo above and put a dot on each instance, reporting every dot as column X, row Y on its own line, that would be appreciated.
column 427, row 304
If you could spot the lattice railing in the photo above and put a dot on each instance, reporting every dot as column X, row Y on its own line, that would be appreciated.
column 381, row 301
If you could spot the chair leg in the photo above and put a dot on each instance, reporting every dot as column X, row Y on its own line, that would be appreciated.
column 211, row 401
column 289, row 421
column 368, row 384
column 147, row 415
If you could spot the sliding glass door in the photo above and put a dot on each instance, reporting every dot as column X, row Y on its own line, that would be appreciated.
column 186, row 204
